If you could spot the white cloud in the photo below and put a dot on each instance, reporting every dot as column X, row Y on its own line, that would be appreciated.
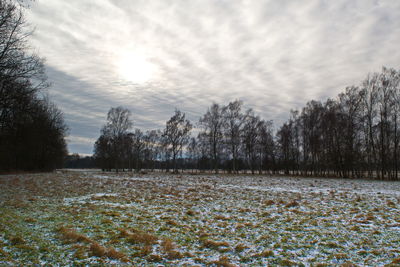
column 275, row 55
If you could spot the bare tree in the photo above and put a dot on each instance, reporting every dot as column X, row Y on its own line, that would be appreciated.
column 176, row 134
column 152, row 147
column 117, row 126
column 32, row 129
column 233, row 122
column 250, row 138
column 194, row 153
column 212, row 123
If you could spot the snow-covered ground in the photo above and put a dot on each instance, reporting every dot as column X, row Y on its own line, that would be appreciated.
column 159, row 219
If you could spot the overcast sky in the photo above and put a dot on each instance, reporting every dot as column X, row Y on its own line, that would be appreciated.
column 155, row 56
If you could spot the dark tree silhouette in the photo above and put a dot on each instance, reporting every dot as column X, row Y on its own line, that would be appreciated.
column 32, row 129
column 176, row 135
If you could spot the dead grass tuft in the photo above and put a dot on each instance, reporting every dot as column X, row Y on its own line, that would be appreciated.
column 190, row 213
column 221, row 217
column 167, row 245
column 100, row 251
column 114, row 254
column 142, row 238
column 97, row 250
column 240, row 247
column 71, row 236
column 269, row 202
column 111, row 213
column 30, row 220
column 223, row 261
column 214, row 244
column 17, row 240
column 348, row 264
column 154, row 258
column 172, row 223
column 396, row 261
column 286, row 262
column 169, row 248
column 391, row 204
column 292, row 204
column 264, row 254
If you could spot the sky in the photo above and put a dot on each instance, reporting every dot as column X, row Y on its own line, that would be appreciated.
column 155, row 56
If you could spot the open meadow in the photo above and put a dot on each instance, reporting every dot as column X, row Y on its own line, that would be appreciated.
column 82, row 218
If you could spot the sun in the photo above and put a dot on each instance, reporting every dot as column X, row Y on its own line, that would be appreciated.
column 135, row 68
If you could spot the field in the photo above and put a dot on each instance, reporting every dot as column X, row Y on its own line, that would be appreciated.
column 82, row 218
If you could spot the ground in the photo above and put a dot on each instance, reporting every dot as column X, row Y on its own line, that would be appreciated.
column 86, row 217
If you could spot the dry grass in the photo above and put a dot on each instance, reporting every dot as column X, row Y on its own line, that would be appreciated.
column 17, row 240
column 71, row 236
column 390, row 204
column 169, row 248
column 190, row 213
column 214, row 244
column 348, row 264
column 269, row 202
column 240, row 247
column 167, row 245
column 286, row 262
column 135, row 236
column 100, row 251
column 198, row 214
column 30, row 220
column 223, row 261
column 172, row 222
column 221, row 217
column 396, row 261
column 292, row 204
column 154, row 258
column 340, row 256
column 97, row 250
column 264, row 254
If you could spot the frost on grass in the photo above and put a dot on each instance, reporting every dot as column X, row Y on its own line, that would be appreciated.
column 84, row 218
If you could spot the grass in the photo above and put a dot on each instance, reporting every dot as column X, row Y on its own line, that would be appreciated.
column 78, row 218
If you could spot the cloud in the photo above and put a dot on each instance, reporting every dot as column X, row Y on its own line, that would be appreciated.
column 274, row 55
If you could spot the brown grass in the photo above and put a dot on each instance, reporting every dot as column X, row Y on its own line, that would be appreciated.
column 114, row 254
column 71, row 236
column 17, row 240
column 223, row 261
column 167, row 245
column 240, row 247
column 30, row 220
column 144, row 251
column 169, row 248
column 172, row 222
column 97, row 250
column 340, row 256
column 80, row 252
column 348, row 264
column 142, row 238
column 286, row 262
column 214, row 244
column 396, row 261
column 100, row 251
column 269, row 202
column 292, row 204
column 264, row 254
column 391, row 204
column 154, row 258
column 190, row 213
column 221, row 217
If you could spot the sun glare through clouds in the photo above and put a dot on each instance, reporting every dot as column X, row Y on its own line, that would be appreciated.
column 135, row 67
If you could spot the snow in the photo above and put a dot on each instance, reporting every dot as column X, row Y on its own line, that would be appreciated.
column 304, row 220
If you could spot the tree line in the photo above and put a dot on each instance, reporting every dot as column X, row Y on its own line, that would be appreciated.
column 354, row 135
column 32, row 128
